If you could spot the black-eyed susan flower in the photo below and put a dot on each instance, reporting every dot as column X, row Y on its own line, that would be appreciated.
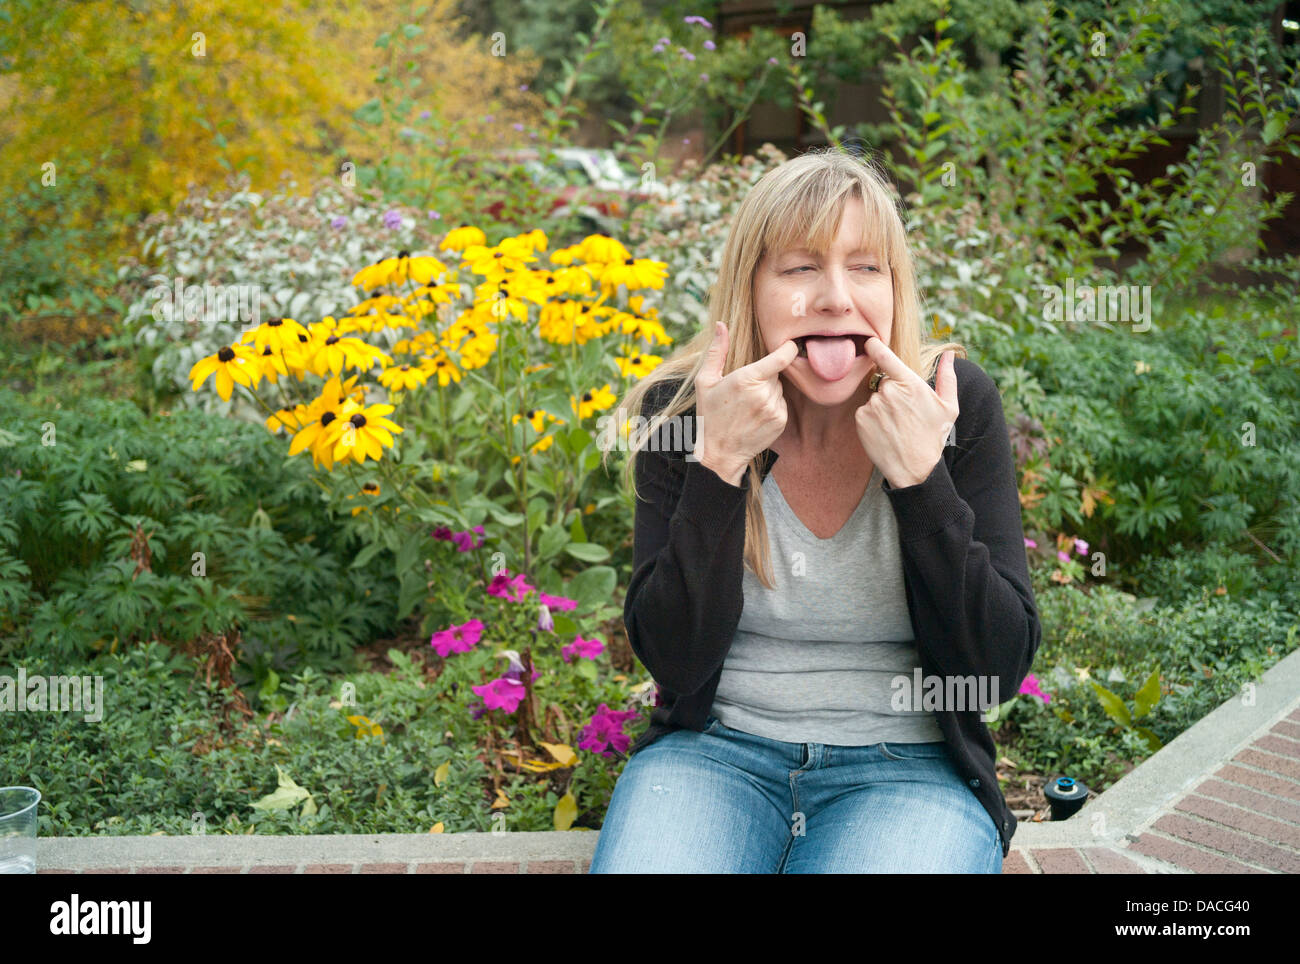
column 534, row 239
column 602, row 249
column 289, row 418
column 399, row 270
column 364, row 434
column 596, row 400
column 637, row 366
column 461, row 238
column 634, row 274
column 443, row 367
column 496, row 262
column 318, row 435
column 538, row 418
column 335, row 351
column 279, row 334
column 501, row 301
column 370, row 490
column 403, row 378
column 229, row 365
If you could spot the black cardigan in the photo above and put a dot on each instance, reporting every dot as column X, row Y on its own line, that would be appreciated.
column 964, row 566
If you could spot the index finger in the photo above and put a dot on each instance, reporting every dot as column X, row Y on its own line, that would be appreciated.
column 775, row 362
column 887, row 361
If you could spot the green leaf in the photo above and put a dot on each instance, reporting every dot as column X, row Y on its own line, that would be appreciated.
column 1112, row 704
column 508, row 519
column 1153, row 741
column 411, row 29
column 366, row 554
column 413, row 589
column 1148, row 696
column 593, row 586
column 554, row 537
column 286, row 795
column 577, row 531
column 1274, row 128
column 587, row 551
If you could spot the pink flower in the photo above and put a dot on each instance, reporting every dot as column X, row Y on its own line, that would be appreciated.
column 1064, row 557
column 501, row 694
column 514, row 588
column 1031, row 544
column 558, row 602
column 1031, row 687
column 1080, row 547
column 605, row 731
column 465, row 541
column 457, row 639
column 590, row 648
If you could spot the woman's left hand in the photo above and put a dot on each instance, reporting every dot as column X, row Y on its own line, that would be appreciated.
column 905, row 424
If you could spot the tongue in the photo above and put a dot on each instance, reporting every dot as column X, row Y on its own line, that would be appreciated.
column 830, row 358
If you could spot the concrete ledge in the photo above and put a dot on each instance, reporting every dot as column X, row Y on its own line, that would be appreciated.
column 1243, row 760
column 1154, row 785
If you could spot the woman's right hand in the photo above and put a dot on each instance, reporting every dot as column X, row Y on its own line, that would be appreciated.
column 739, row 415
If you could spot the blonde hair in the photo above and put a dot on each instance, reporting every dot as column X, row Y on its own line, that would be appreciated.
column 799, row 203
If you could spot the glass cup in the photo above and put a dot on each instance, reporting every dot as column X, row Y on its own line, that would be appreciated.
column 18, row 829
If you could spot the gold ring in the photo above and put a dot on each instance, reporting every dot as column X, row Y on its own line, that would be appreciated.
column 874, row 381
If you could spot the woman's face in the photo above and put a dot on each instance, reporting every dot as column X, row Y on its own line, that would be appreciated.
column 846, row 293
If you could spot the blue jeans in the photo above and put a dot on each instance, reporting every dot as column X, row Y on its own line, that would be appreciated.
column 727, row 802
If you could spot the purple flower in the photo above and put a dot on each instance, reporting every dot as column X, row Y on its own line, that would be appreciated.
column 425, row 114
column 487, row 118
column 590, row 648
column 700, row 20
column 477, row 709
column 435, row 215
column 505, row 586
column 1080, row 547
column 523, row 86
column 517, row 126
column 659, row 47
column 710, row 45
column 558, row 602
column 686, row 53
column 1031, row 687
column 772, row 61
column 1062, row 556
column 1031, row 544
column 501, row 694
column 443, row 532
column 465, row 541
column 339, row 223
column 704, row 76
column 392, row 220
column 457, row 639
column 605, row 731
column 544, row 621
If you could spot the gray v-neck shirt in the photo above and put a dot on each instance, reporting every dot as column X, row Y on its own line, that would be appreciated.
column 813, row 660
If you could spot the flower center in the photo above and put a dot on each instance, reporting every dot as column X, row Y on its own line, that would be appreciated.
column 358, row 420
column 225, row 354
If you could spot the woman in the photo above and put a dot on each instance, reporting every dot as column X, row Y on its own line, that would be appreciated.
column 827, row 527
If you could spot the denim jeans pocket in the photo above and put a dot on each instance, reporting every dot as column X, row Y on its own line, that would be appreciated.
column 914, row 751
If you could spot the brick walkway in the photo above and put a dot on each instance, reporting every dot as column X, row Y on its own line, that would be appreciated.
column 1224, row 797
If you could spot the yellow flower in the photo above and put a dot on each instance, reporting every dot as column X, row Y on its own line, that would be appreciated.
column 602, row 249
column 229, row 365
column 494, row 263
column 1141, row 367
column 399, row 270
column 535, row 239
column 461, row 238
column 537, row 418
column 500, row 301
column 402, row 378
column 281, row 334
column 292, row 419
column 335, row 352
column 318, row 434
column 635, row 273
column 637, row 365
column 443, row 367
column 364, row 434
column 593, row 401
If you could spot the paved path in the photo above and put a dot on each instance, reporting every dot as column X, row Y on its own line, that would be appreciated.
column 1224, row 797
